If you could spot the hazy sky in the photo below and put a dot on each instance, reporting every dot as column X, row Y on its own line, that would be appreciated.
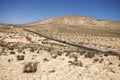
column 26, row 11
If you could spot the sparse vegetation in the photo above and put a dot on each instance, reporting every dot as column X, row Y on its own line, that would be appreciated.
column 73, row 56
column 106, row 54
column 54, row 56
column 96, row 59
column 119, row 65
column 101, row 60
column 45, row 60
column 30, row 67
column 9, row 60
column 20, row 57
column 59, row 58
column 76, row 63
column 82, row 52
column 51, row 71
column 12, row 52
column 28, row 38
column 90, row 55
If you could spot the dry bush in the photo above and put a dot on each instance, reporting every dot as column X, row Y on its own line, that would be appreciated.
column 51, row 71
column 28, row 38
column 76, row 63
column 45, row 60
column 12, row 52
column 90, row 55
column 119, row 65
column 96, row 59
column 106, row 54
column 82, row 52
column 54, row 56
column 101, row 60
column 30, row 67
column 20, row 57
column 119, row 56
column 73, row 56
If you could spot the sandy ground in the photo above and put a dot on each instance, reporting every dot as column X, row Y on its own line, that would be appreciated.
column 62, row 67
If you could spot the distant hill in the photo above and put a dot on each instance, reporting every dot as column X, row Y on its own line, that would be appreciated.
column 74, row 20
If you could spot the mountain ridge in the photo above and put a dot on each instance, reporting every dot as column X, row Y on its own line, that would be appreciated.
column 74, row 20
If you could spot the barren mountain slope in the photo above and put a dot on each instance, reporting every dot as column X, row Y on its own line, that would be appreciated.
column 80, row 30
column 75, row 21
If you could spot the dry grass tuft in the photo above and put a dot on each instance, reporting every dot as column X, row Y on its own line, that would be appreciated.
column 20, row 57
column 30, row 67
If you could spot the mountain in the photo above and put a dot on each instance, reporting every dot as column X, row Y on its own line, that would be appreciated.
column 74, row 20
column 75, row 24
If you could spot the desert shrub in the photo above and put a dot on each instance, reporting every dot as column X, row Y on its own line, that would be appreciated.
column 59, row 53
column 110, row 63
column 20, row 57
column 19, row 50
column 23, row 52
column 90, row 55
column 28, row 38
column 119, row 65
column 3, row 44
column 30, row 67
column 51, row 71
column 45, row 60
column 67, row 54
column 73, row 56
column 54, row 56
column 55, row 53
column 119, row 56
column 48, row 49
column 68, row 51
column 38, row 52
column 9, row 60
column 12, row 52
column 76, row 63
column 2, row 51
column 106, row 54
column 101, row 60
column 32, row 49
column 96, row 59
column 12, row 47
column 82, row 52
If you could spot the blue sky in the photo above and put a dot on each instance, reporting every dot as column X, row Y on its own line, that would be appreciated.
column 26, row 11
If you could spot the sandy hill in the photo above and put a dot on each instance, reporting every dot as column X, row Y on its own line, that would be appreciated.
column 77, row 24
column 75, row 20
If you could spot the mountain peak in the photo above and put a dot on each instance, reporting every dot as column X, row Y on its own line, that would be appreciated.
column 74, row 20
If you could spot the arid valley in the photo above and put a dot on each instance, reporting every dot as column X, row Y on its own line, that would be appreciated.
column 61, row 48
